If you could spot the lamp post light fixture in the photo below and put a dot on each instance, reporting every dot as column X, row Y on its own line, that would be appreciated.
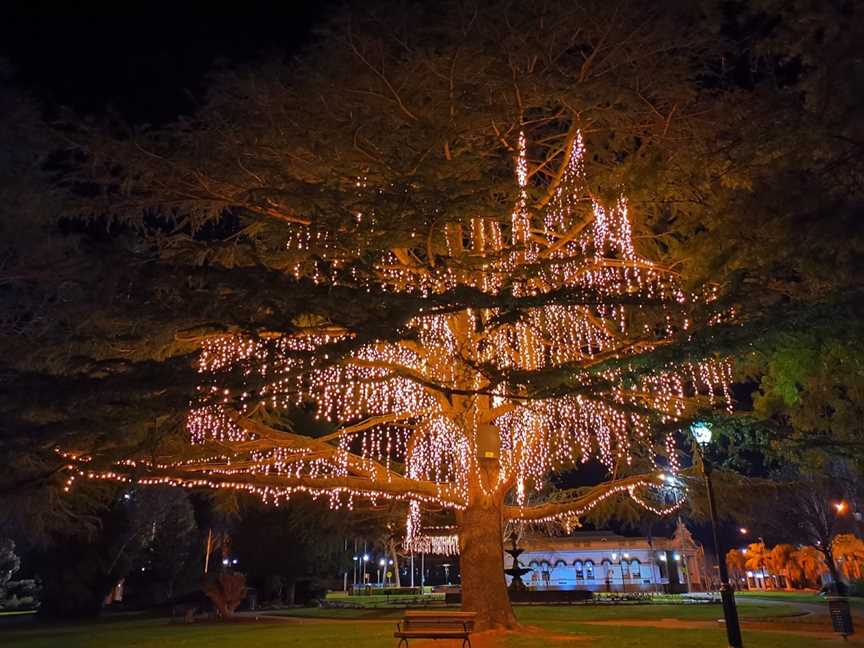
column 701, row 433
column 446, row 567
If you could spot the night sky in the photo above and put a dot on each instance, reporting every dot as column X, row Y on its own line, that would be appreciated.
column 145, row 62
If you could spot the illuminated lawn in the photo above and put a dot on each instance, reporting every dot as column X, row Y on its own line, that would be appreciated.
column 367, row 628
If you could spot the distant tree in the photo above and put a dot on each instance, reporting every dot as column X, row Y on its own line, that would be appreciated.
column 14, row 594
column 170, row 552
column 79, row 570
column 848, row 550
column 227, row 591
column 812, row 563
column 300, row 541
column 756, row 558
column 820, row 521
column 736, row 563
column 781, row 561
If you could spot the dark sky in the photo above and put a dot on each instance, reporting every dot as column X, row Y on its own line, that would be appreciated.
column 145, row 61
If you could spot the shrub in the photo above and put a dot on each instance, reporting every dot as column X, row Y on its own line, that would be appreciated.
column 14, row 595
column 227, row 592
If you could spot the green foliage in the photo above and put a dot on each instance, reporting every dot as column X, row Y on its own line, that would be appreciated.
column 14, row 594
column 299, row 541
column 171, row 560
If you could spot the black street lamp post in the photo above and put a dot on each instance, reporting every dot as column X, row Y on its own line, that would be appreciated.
column 702, row 436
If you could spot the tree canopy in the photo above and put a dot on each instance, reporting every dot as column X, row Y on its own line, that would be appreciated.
column 453, row 213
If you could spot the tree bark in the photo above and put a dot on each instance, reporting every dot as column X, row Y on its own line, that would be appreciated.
column 394, row 556
column 288, row 592
column 838, row 584
column 481, row 562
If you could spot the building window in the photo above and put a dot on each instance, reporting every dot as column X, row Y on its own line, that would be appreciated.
column 579, row 572
column 589, row 569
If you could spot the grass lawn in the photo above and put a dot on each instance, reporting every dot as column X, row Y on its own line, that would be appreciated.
column 795, row 597
column 803, row 597
column 153, row 633
column 368, row 628
column 640, row 637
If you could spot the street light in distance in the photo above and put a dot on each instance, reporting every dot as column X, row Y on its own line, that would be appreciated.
column 702, row 434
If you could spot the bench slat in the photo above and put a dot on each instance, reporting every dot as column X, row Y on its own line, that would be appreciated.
column 441, row 615
column 420, row 633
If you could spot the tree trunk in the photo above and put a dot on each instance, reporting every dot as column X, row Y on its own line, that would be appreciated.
column 394, row 556
column 838, row 585
column 481, row 563
column 288, row 592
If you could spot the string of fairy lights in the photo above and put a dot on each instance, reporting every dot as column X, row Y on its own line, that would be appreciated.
column 419, row 408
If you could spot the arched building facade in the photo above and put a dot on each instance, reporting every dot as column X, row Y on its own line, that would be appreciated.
column 604, row 561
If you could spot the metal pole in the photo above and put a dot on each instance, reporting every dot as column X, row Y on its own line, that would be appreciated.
column 412, row 569
column 422, row 571
column 727, row 595
column 208, row 549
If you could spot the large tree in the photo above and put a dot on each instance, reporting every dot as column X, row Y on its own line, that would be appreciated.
column 347, row 204
column 423, row 229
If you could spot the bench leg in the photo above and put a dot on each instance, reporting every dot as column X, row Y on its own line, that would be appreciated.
column 403, row 643
column 466, row 642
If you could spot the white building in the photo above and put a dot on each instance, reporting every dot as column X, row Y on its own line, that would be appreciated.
column 604, row 561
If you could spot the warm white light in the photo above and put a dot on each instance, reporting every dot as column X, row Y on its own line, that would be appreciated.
column 390, row 400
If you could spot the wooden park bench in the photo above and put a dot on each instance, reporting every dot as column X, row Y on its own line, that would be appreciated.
column 424, row 624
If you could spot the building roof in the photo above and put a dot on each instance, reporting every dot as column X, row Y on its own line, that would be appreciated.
column 607, row 539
